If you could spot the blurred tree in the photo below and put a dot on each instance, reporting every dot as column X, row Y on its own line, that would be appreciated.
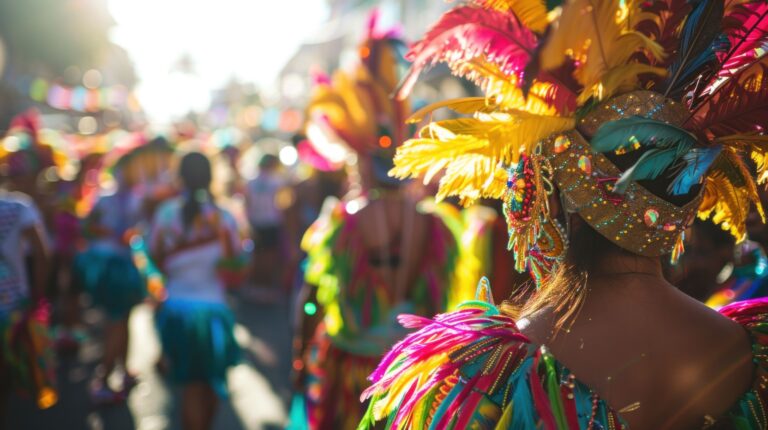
column 54, row 34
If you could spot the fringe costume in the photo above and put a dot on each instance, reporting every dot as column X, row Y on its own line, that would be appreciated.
column 359, row 312
column 472, row 368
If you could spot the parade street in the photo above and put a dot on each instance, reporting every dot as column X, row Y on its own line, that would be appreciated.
column 259, row 386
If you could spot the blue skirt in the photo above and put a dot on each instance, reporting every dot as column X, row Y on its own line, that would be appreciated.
column 112, row 280
column 198, row 341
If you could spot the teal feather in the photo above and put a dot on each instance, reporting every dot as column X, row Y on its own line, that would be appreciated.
column 697, row 162
column 625, row 132
column 650, row 165
column 445, row 405
column 666, row 143
column 698, row 43
column 525, row 416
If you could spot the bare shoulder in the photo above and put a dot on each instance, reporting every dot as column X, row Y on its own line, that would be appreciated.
column 657, row 348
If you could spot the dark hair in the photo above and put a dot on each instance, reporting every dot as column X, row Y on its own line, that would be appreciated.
column 195, row 174
column 268, row 161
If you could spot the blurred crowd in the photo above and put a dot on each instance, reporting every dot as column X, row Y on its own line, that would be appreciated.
column 131, row 226
column 189, row 226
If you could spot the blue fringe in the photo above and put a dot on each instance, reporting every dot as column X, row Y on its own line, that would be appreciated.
column 198, row 340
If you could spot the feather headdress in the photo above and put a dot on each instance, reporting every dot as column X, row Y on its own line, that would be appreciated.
column 683, row 84
column 353, row 110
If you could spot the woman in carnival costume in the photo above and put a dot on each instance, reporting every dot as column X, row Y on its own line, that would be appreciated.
column 194, row 241
column 370, row 257
column 107, row 272
column 606, row 128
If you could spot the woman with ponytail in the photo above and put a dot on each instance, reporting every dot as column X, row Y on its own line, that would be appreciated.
column 191, row 237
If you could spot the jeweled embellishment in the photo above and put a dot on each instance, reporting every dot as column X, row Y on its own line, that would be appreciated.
column 651, row 217
column 585, row 164
column 562, row 143
column 669, row 227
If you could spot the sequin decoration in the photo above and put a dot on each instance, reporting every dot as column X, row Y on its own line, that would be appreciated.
column 651, row 217
column 562, row 143
column 669, row 227
column 585, row 164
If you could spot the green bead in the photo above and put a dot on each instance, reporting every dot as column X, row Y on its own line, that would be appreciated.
column 310, row 308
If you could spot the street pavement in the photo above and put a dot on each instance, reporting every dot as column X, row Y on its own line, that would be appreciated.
column 259, row 387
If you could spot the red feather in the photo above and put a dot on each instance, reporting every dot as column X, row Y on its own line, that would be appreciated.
column 746, row 26
column 468, row 32
column 669, row 15
column 737, row 106
column 663, row 27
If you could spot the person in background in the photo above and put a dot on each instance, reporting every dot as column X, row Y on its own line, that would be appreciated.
column 266, row 220
column 106, row 270
column 306, row 204
column 369, row 257
column 26, row 353
column 191, row 239
column 70, row 200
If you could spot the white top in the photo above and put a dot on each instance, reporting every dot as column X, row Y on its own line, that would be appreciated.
column 261, row 194
column 17, row 213
column 191, row 269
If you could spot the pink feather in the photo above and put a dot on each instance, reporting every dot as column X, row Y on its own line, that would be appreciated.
column 466, row 33
column 747, row 30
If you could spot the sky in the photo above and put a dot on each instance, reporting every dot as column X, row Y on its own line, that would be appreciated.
column 246, row 39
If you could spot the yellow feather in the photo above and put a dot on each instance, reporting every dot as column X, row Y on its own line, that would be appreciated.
column 754, row 144
column 417, row 374
column 596, row 34
column 532, row 13
column 618, row 80
column 728, row 191
column 502, row 89
column 466, row 105
column 345, row 106
column 471, row 150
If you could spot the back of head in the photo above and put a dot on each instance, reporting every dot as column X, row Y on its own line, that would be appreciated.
column 195, row 174
column 634, row 139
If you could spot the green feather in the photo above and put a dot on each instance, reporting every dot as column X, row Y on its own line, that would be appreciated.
column 625, row 132
column 665, row 145
column 650, row 165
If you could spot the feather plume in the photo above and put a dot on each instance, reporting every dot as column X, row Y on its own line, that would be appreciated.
column 746, row 26
column 760, row 157
column 755, row 145
column 661, row 21
column 472, row 149
column 737, row 104
column 698, row 43
column 542, row 98
column 468, row 32
column 697, row 162
column 598, row 39
column 728, row 191
column 650, row 165
column 531, row 13
column 667, row 144
column 625, row 133
column 467, row 105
